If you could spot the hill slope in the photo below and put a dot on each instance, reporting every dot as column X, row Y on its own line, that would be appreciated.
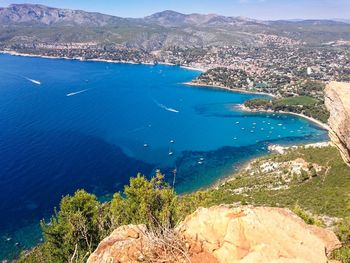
column 27, row 24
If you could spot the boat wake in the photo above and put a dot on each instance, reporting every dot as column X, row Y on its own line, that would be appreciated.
column 76, row 93
column 37, row 82
column 162, row 106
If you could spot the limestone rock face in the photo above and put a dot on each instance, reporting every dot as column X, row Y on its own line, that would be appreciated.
column 224, row 234
column 337, row 99
column 123, row 245
column 258, row 234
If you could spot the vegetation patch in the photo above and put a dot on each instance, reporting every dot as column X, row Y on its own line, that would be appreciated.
column 306, row 105
column 312, row 182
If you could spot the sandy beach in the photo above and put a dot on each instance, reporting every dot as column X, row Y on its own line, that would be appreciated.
column 241, row 107
column 194, row 68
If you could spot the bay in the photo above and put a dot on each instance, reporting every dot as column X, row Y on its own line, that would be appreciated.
column 68, row 125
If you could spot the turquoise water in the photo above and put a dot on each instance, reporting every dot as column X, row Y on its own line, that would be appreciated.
column 67, row 125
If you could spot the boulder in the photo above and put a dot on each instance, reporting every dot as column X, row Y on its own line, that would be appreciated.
column 260, row 234
column 227, row 234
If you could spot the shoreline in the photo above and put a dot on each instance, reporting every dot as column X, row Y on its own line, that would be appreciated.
column 190, row 83
column 242, row 166
column 14, row 53
column 231, row 175
column 243, row 108
column 193, row 68
column 240, row 107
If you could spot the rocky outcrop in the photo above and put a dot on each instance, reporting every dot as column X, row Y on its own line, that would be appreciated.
column 225, row 234
column 337, row 99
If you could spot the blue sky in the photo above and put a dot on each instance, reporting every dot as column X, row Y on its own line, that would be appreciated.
column 261, row 9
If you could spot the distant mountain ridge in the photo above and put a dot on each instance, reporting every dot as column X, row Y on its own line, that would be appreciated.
column 41, row 14
column 172, row 18
column 26, row 24
column 28, row 14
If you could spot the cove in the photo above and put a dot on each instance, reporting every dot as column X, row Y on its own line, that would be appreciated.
column 67, row 125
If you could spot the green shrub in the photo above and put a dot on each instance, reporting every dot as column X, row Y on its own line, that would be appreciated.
column 343, row 230
column 307, row 217
column 144, row 202
column 342, row 254
column 73, row 232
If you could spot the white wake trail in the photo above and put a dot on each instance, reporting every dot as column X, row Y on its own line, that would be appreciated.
column 37, row 82
column 76, row 93
column 165, row 107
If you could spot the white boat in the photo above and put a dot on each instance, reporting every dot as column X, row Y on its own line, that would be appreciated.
column 37, row 82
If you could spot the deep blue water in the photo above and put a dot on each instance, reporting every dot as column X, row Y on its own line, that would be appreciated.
column 116, row 121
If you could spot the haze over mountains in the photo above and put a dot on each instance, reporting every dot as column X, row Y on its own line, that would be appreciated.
column 27, row 23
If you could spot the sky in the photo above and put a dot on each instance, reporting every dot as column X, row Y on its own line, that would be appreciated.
column 259, row 9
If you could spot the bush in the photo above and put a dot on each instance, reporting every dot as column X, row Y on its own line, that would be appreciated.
column 145, row 202
column 342, row 254
column 307, row 217
column 343, row 231
column 73, row 233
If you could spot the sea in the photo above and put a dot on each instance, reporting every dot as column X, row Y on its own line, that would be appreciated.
column 69, row 124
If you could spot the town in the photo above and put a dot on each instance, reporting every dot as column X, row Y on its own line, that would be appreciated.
column 280, row 69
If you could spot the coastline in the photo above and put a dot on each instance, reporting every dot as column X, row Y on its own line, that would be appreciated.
column 231, row 176
column 190, row 83
column 241, row 107
column 193, row 68
column 242, row 166
column 219, row 181
column 14, row 53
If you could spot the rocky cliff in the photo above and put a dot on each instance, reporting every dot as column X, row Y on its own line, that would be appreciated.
column 223, row 234
column 337, row 99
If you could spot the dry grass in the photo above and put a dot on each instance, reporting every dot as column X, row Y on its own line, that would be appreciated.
column 164, row 244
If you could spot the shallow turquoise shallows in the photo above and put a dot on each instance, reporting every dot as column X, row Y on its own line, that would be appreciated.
column 67, row 125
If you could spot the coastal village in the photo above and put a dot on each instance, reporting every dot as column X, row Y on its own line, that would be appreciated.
column 283, row 68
